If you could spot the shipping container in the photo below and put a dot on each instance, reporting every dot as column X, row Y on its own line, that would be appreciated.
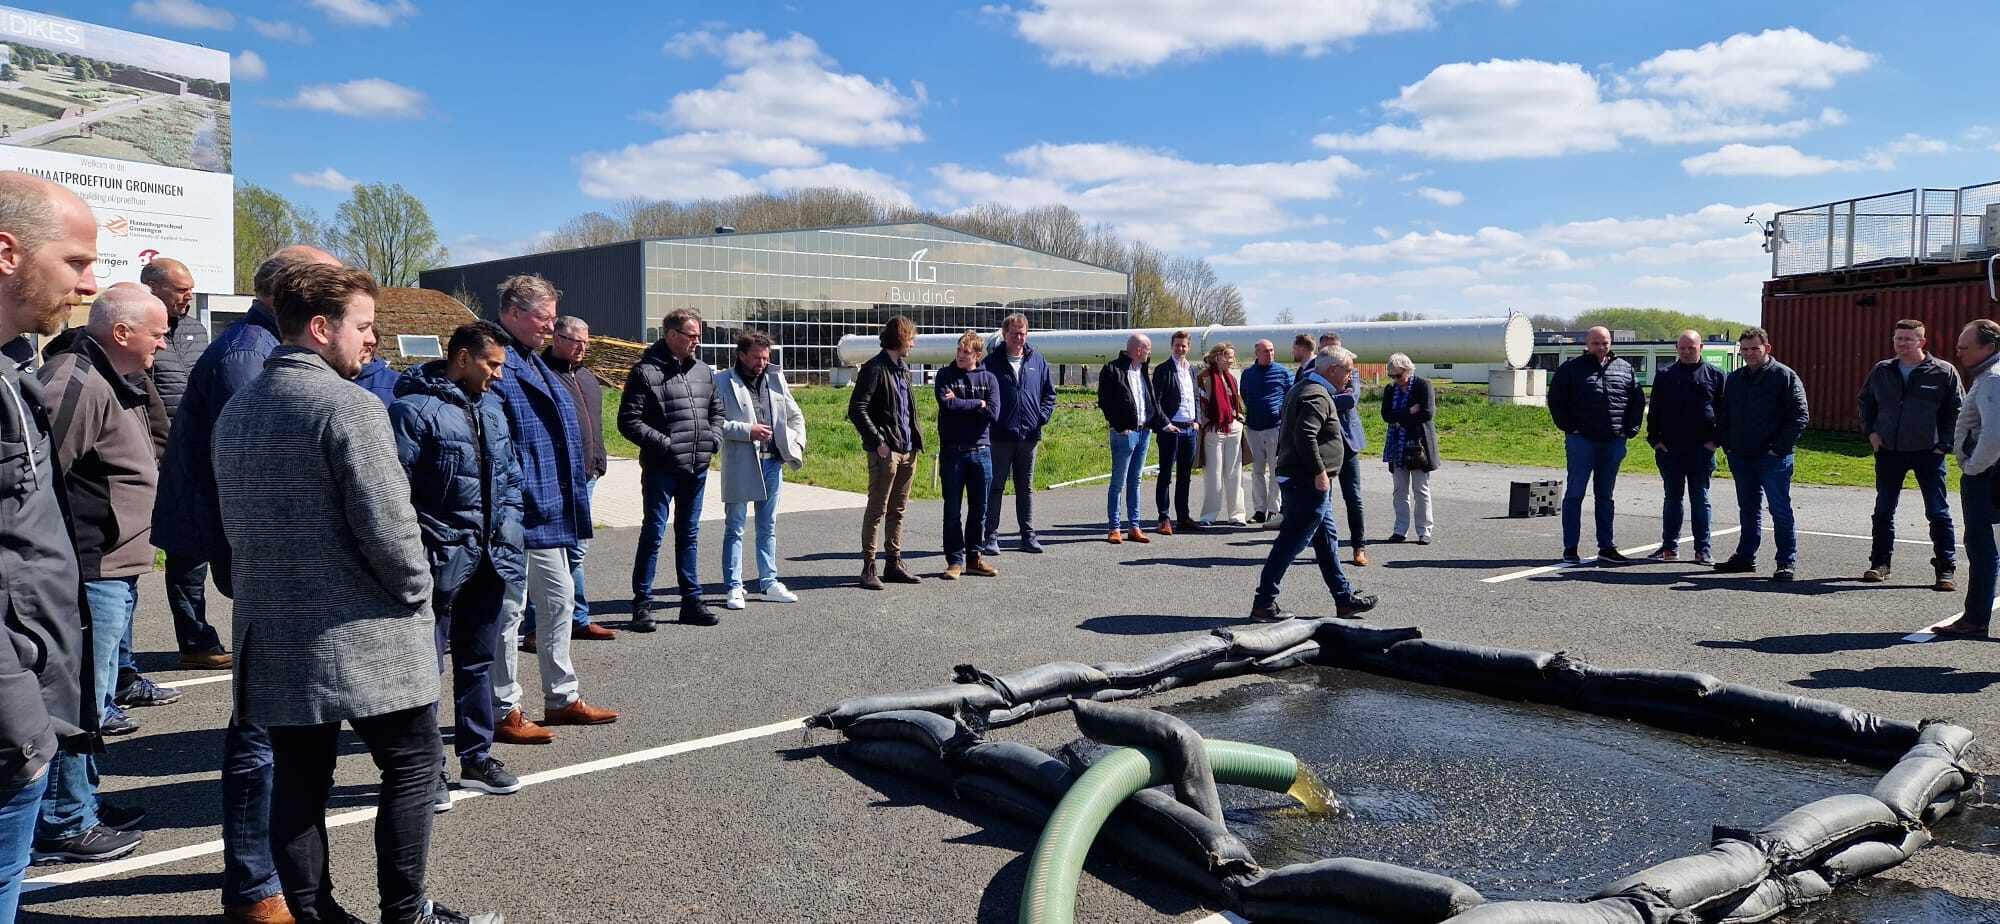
column 1833, row 327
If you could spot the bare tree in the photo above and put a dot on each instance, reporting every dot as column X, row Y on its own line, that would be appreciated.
column 388, row 232
column 1284, row 317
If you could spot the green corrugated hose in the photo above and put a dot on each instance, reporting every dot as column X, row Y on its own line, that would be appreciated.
column 1050, row 896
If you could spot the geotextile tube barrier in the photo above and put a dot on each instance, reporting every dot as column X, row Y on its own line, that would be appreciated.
column 1747, row 874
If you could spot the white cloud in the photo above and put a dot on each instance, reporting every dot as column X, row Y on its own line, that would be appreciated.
column 1151, row 195
column 1913, row 143
column 1445, row 197
column 478, row 248
column 1662, row 282
column 1743, row 248
column 365, row 12
column 788, row 88
column 328, row 179
column 281, row 31
column 1753, row 72
column 186, row 14
column 248, row 65
column 1577, row 289
column 877, row 184
column 1112, row 36
column 371, row 96
column 1762, row 160
column 1528, row 108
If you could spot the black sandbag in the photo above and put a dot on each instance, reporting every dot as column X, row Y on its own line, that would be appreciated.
column 1721, row 876
column 1016, row 803
column 1476, row 667
column 1861, row 859
column 1338, row 637
column 1265, row 640
column 1060, row 678
column 1135, row 845
column 1173, row 740
column 1222, row 852
column 1946, row 735
column 1624, row 909
column 998, row 718
column 1195, row 672
column 1302, row 653
column 1940, row 807
column 1784, row 718
column 938, row 734
column 1774, row 896
column 1915, row 782
column 1259, row 911
column 1151, row 667
column 1810, row 831
column 900, row 757
column 1639, row 684
column 1397, row 893
column 951, row 700
column 1019, row 764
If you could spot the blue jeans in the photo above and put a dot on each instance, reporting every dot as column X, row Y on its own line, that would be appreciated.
column 1592, row 463
column 1760, row 476
column 1686, row 470
column 733, row 516
column 19, row 805
column 662, row 490
column 966, row 474
column 69, row 807
column 1350, row 495
column 248, row 873
column 112, row 602
column 1308, row 520
column 1890, row 467
column 1975, row 497
column 1176, row 464
column 1128, row 459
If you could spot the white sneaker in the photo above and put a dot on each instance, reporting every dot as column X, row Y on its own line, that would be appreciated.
column 735, row 599
column 779, row 593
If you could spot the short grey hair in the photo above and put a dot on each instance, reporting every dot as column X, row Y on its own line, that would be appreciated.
column 28, row 210
column 1013, row 319
column 124, row 303
column 1137, row 339
column 524, row 291
column 568, row 324
column 1400, row 362
column 1330, row 357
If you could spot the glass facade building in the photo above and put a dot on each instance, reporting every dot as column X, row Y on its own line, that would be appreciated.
column 808, row 288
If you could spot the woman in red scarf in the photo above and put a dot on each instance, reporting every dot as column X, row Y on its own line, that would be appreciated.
column 1219, row 408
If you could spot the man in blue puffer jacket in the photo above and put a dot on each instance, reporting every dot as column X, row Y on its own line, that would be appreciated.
column 451, row 437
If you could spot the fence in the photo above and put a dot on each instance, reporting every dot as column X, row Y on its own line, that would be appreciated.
column 1906, row 226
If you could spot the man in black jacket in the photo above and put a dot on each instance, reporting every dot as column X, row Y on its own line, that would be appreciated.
column 1125, row 396
column 1312, row 446
column 1909, row 408
column 1681, row 430
column 1173, row 382
column 1762, row 414
column 1596, row 402
column 884, row 413
column 171, row 282
column 671, row 409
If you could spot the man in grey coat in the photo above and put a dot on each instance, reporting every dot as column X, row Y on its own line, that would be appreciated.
column 332, row 589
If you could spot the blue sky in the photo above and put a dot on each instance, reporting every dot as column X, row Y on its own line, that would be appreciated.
column 1333, row 157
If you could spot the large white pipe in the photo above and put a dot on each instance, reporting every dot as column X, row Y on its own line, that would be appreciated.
column 1509, row 340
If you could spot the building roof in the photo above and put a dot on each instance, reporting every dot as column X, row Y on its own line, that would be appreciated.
column 415, row 311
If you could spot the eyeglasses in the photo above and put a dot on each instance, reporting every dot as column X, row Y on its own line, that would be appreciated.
column 572, row 339
column 691, row 336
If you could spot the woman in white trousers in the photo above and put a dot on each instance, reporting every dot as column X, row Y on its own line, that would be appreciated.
column 1219, row 411
column 1410, row 448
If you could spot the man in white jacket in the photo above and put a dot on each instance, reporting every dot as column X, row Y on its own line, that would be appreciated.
column 1977, row 453
column 763, row 431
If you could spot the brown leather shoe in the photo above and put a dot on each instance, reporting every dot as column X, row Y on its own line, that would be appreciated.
column 1959, row 628
column 1361, row 557
column 1115, row 538
column 951, row 572
column 217, row 660
column 579, row 712
column 516, row 729
column 893, row 572
column 1166, row 527
column 976, row 565
column 271, row 910
column 869, row 580
column 591, row 631
column 1136, row 535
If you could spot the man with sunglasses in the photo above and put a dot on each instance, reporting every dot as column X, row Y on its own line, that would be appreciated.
column 671, row 409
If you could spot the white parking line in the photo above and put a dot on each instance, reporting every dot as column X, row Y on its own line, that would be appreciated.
column 1814, row 532
column 1222, row 917
column 1549, row 569
column 199, row 681
column 176, row 855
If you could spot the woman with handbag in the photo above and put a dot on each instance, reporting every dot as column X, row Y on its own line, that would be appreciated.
column 1219, row 408
column 1411, row 448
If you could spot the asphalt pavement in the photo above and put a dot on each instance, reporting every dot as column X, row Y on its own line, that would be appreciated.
column 704, row 802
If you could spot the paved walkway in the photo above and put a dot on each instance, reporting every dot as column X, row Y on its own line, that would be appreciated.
column 618, row 502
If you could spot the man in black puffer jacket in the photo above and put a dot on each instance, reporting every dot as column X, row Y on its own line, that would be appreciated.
column 672, row 411
column 452, row 439
column 173, row 284
column 1596, row 402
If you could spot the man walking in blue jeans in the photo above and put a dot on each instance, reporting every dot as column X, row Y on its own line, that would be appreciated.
column 968, row 402
column 1762, row 414
column 1125, row 395
column 1909, row 408
column 1312, row 447
column 1681, row 430
column 1596, row 402
column 1977, row 451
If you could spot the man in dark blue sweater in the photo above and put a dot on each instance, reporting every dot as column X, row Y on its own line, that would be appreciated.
column 968, row 402
column 1264, row 388
column 1681, row 430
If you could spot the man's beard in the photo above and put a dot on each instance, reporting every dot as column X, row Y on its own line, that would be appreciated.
column 50, row 310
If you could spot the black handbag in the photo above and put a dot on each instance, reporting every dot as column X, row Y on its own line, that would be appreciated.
column 1416, row 450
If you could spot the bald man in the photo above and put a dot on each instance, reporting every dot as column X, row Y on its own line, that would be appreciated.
column 1125, row 395
column 172, row 283
column 1596, row 402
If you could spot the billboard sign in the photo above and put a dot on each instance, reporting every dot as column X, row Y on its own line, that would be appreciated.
column 136, row 125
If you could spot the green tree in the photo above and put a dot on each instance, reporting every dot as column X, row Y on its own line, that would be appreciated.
column 1550, row 322
column 385, row 230
column 80, row 71
column 7, row 72
column 1655, row 323
column 266, row 221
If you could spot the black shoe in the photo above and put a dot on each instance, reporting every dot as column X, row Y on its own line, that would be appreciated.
column 642, row 614
column 1356, row 603
column 1188, row 526
column 1734, row 565
column 696, row 613
column 1032, row 543
column 117, row 724
column 441, row 794
column 1269, row 612
column 1570, row 557
column 119, row 817
column 1395, row 538
column 97, row 844
column 435, row 913
column 488, row 775
column 143, row 692
column 1612, row 555
column 1783, row 575
column 1259, row 517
